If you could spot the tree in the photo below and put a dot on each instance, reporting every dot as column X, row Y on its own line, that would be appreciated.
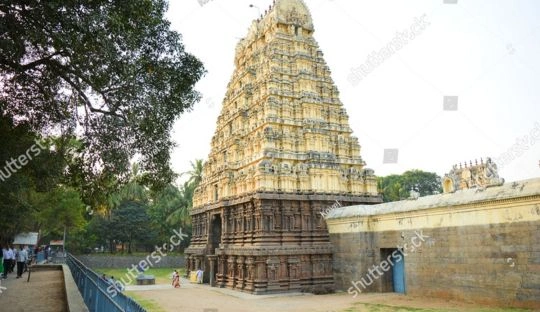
column 122, row 211
column 164, row 204
column 397, row 187
column 110, row 72
column 133, row 190
column 130, row 222
column 180, row 215
column 196, row 172
column 171, row 206
column 28, row 166
column 58, row 210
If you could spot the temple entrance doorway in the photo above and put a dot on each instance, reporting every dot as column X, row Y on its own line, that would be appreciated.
column 215, row 238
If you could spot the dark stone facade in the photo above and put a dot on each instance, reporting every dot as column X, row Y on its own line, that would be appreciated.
column 266, row 242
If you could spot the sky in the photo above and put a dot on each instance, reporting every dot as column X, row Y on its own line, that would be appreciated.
column 465, row 86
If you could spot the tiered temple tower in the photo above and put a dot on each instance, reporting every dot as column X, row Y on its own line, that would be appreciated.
column 282, row 153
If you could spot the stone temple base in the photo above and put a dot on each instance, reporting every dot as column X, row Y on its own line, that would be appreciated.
column 266, row 243
column 271, row 270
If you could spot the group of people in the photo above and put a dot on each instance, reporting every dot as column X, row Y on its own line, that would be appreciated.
column 176, row 278
column 12, row 257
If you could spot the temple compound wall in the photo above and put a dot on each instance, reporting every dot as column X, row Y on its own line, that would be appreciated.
column 479, row 244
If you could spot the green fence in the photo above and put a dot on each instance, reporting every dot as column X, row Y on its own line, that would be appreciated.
column 94, row 290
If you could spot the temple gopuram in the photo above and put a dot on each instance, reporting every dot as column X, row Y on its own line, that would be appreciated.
column 282, row 154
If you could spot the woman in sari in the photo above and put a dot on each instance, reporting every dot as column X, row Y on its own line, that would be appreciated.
column 176, row 279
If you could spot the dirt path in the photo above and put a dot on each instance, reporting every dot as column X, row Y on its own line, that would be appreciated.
column 195, row 298
column 44, row 292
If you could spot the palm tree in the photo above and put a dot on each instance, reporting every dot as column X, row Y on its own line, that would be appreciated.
column 182, row 202
column 196, row 172
column 132, row 191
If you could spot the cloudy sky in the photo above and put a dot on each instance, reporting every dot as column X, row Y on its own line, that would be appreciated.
column 481, row 56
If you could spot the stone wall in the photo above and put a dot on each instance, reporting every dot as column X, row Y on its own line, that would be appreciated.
column 104, row 261
column 480, row 246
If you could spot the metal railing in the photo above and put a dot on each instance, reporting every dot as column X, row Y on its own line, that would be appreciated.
column 94, row 290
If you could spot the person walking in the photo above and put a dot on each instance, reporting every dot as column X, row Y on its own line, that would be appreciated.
column 176, row 279
column 6, row 255
column 12, row 259
column 199, row 276
column 22, row 257
column 2, row 261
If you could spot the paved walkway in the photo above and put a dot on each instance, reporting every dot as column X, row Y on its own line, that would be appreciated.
column 44, row 292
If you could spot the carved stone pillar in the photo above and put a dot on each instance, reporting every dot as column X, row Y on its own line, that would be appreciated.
column 272, row 269
column 294, row 273
column 241, row 272
column 231, row 268
column 249, row 274
column 212, row 259
column 222, row 271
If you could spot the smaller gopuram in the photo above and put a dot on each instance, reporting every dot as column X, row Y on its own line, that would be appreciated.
column 477, row 175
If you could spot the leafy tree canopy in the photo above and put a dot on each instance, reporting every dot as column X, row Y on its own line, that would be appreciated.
column 130, row 222
column 58, row 209
column 138, row 217
column 28, row 166
column 397, row 187
column 111, row 72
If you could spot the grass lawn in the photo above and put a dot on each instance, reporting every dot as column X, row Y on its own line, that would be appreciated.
column 141, row 254
column 162, row 275
column 148, row 304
